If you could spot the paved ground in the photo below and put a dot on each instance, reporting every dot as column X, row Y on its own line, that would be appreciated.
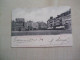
column 40, row 32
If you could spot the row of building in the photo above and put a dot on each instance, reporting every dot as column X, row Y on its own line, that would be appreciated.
column 20, row 25
column 62, row 20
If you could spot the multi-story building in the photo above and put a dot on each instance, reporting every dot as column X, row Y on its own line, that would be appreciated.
column 35, row 26
column 30, row 25
column 50, row 23
column 13, row 26
column 62, row 20
column 42, row 25
column 20, row 24
column 66, row 19
column 54, row 22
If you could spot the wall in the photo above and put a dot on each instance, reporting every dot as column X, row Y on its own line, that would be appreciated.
column 56, row 53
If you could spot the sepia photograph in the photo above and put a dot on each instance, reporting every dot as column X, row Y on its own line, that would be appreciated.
column 49, row 21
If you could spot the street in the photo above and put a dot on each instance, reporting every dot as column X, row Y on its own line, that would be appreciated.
column 40, row 32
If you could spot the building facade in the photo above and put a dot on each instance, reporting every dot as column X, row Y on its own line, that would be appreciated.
column 18, row 24
column 42, row 25
column 50, row 23
column 35, row 26
column 30, row 25
column 63, row 20
column 13, row 26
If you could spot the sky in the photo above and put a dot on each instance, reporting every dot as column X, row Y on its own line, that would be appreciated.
column 38, row 14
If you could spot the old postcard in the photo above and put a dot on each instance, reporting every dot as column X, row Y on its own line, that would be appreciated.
column 41, row 27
